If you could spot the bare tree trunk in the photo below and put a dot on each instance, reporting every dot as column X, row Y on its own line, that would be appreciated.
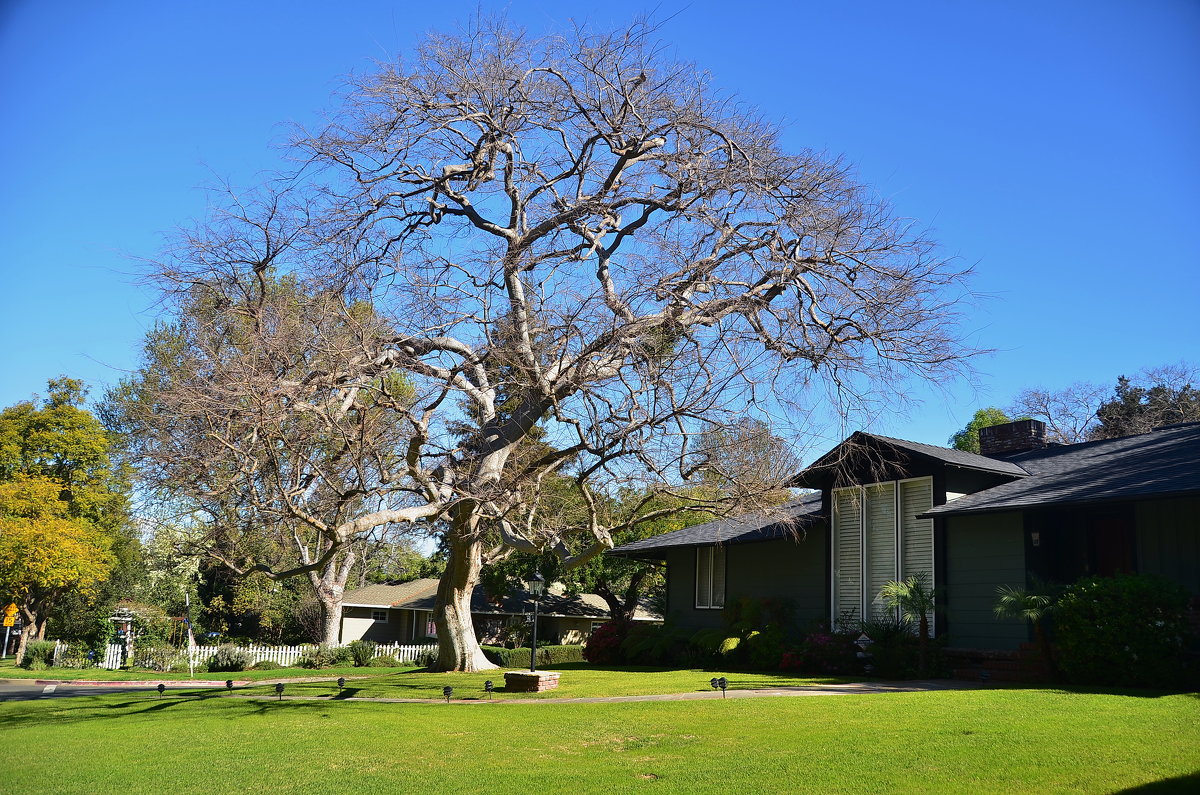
column 329, row 585
column 458, row 650
column 28, row 632
column 623, row 609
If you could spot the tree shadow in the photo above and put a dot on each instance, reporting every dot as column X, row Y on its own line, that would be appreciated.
column 1188, row 783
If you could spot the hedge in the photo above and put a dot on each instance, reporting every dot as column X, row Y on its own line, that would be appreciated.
column 546, row 655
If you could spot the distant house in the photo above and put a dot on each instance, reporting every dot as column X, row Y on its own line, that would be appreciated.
column 885, row 508
column 404, row 614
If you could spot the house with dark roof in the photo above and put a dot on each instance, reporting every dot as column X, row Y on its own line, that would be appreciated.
column 883, row 508
column 404, row 614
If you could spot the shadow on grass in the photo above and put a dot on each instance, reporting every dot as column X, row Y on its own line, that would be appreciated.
column 1189, row 783
column 80, row 709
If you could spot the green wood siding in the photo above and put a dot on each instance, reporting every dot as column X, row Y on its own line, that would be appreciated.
column 982, row 553
column 790, row 569
column 1168, row 540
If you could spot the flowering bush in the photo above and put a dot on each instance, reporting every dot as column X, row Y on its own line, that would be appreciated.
column 604, row 644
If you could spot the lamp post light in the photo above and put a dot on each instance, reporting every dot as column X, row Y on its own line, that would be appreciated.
column 722, row 683
column 536, row 585
column 488, row 686
column 447, row 691
column 161, row 687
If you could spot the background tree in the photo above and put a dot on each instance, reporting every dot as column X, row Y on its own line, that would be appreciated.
column 1069, row 413
column 1160, row 396
column 1155, row 396
column 571, row 233
column 258, row 501
column 62, row 510
column 968, row 438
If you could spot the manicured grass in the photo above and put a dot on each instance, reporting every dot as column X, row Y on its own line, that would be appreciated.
column 1033, row 741
column 579, row 680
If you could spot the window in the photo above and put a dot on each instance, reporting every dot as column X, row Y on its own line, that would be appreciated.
column 596, row 625
column 877, row 537
column 379, row 616
column 710, row 578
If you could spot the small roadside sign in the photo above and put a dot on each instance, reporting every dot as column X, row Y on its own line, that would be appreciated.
column 10, row 610
column 10, row 620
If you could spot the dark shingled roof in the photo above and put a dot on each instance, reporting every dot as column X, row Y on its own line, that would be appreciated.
column 862, row 447
column 959, row 458
column 1161, row 463
column 774, row 523
column 421, row 594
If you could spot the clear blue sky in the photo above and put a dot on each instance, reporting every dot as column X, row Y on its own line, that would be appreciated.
column 1055, row 146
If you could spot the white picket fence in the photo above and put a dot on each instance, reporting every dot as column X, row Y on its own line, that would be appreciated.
column 286, row 656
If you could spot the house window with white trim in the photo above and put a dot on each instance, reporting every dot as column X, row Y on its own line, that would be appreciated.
column 877, row 537
column 379, row 616
column 710, row 578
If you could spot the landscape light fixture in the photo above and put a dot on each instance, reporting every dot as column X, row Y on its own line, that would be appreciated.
column 536, row 584
column 488, row 687
column 229, row 685
column 161, row 688
column 722, row 683
column 447, row 691
column 279, row 690
column 714, row 683
column 341, row 683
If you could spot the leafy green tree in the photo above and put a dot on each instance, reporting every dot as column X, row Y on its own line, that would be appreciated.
column 968, row 438
column 64, row 511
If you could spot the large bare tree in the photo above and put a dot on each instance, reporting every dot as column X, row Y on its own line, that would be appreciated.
column 569, row 239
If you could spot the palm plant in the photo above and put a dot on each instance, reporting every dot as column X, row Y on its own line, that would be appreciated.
column 915, row 601
column 1032, row 605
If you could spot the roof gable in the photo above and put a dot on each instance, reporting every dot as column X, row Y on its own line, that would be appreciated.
column 871, row 458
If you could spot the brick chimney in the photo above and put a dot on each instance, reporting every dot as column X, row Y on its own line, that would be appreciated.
column 1012, row 437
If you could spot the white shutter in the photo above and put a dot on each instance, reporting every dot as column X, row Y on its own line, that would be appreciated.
column 718, row 577
column 916, row 496
column 703, row 576
column 847, row 553
column 880, row 542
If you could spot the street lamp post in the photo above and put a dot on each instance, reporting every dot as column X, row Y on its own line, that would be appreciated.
column 536, row 584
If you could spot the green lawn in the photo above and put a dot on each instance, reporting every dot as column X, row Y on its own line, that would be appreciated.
column 578, row 680
column 1033, row 741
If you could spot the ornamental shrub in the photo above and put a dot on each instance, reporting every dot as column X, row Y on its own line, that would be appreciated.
column 267, row 665
column 654, row 644
column 384, row 661
column 895, row 649
column 1128, row 630
column 324, row 656
column 155, row 656
column 39, row 654
column 362, row 651
column 229, row 658
column 603, row 646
